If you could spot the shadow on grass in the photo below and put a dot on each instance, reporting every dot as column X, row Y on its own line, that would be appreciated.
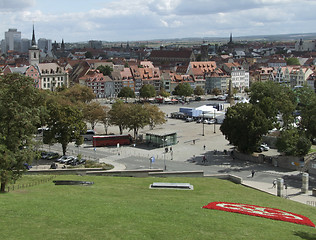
column 305, row 235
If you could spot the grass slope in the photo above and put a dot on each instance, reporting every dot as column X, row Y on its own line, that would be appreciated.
column 125, row 208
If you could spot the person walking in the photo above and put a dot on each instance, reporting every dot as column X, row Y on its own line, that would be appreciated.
column 204, row 147
column 274, row 183
column 252, row 173
column 204, row 160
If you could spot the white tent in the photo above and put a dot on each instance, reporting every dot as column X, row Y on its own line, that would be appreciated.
column 207, row 109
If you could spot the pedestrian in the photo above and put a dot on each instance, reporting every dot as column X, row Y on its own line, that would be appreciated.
column 193, row 141
column 204, row 147
column 252, row 173
column 204, row 160
column 274, row 183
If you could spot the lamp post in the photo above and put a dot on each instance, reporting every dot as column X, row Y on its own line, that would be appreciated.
column 164, row 152
column 214, row 121
column 203, row 124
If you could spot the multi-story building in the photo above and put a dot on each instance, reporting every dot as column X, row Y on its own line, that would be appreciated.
column 30, row 71
column 239, row 77
column 102, row 86
column 217, row 79
column 52, row 76
column 12, row 40
column 122, row 77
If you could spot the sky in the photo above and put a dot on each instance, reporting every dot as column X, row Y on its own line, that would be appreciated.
column 137, row 20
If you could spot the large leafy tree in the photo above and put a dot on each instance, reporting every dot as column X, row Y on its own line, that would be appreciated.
column 147, row 91
column 105, row 118
column 199, row 91
column 78, row 93
column 65, row 122
column 183, row 89
column 244, row 125
column 119, row 115
column 138, row 118
column 306, row 98
column 93, row 113
column 20, row 105
column 126, row 92
column 292, row 142
column 273, row 98
column 155, row 115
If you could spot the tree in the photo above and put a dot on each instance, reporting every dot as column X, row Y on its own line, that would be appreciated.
column 163, row 93
column 306, row 98
column 126, row 92
column 79, row 93
column 138, row 117
column 292, row 61
column 105, row 70
column 199, row 91
column 119, row 115
column 93, row 113
column 244, row 125
column 88, row 55
column 216, row 91
column 155, row 115
column 293, row 143
column 20, row 105
column 147, row 91
column 66, row 121
column 105, row 118
column 183, row 89
column 273, row 98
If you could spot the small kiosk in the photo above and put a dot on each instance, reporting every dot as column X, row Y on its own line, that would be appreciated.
column 161, row 139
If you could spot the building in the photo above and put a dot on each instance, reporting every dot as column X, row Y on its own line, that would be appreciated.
column 12, row 40
column 34, row 52
column 122, row 77
column 239, row 77
column 217, row 79
column 45, row 45
column 302, row 46
column 30, row 71
column 102, row 86
column 52, row 76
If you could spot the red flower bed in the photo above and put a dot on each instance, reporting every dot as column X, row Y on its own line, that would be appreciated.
column 258, row 211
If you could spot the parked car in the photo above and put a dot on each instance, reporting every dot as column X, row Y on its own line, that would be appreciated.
column 52, row 155
column 65, row 159
column 88, row 135
column 199, row 120
column 265, row 147
column 189, row 119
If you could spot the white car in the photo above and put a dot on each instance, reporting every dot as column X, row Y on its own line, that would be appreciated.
column 65, row 159
column 265, row 147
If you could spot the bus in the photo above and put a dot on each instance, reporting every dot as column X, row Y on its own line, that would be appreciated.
column 112, row 140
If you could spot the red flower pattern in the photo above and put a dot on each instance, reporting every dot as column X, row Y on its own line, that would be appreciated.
column 253, row 210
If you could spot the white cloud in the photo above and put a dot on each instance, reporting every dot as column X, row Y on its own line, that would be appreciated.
column 150, row 19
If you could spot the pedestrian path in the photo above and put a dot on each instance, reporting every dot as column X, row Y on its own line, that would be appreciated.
column 290, row 193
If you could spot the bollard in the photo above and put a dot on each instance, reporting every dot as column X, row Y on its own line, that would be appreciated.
column 305, row 178
column 280, row 186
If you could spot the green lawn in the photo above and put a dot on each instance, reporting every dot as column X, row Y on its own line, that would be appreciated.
column 125, row 208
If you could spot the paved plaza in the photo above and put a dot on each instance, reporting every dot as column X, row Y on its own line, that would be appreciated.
column 188, row 153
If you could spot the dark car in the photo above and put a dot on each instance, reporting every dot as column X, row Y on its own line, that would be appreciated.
column 52, row 155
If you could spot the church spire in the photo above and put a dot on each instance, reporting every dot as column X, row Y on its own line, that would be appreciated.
column 33, row 38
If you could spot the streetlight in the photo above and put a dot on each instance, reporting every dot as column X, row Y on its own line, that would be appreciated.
column 203, row 123
column 214, row 121
column 164, row 153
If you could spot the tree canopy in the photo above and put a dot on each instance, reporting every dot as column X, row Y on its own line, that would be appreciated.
column 199, row 91
column 65, row 123
column 78, row 93
column 244, row 126
column 126, row 92
column 292, row 61
column 105, row 70
column 20, row 106
column 183, row 89
column 147, row 91
column 93, row 113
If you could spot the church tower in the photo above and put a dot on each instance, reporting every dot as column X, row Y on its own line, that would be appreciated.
column 34, row 52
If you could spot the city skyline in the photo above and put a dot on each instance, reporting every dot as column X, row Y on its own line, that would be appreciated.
column 121, row 20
